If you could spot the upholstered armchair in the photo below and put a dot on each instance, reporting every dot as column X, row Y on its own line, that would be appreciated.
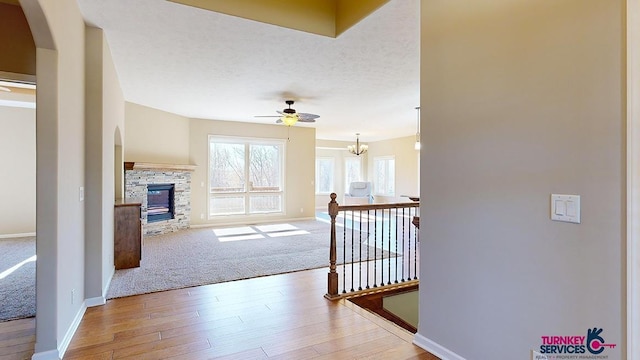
column 359, row 193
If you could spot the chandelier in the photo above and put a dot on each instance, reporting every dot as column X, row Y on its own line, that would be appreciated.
column 358, row 148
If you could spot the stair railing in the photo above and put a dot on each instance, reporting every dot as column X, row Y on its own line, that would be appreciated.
column 372, row 247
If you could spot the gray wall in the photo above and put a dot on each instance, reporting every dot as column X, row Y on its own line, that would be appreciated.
column 58, row 32
column 104, row 112
column 521, row 100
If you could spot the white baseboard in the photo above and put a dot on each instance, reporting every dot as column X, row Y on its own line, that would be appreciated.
column 46, row 355
column 64, row 344
column 106, row 286
column 96, row 301
column 101, row 300
column 435, row 348
column 20, row 235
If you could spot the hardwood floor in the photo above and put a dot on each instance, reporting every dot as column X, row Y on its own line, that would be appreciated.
column 17, row 339
column 274, row 317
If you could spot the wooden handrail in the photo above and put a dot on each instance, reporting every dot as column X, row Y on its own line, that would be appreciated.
column 365, row 207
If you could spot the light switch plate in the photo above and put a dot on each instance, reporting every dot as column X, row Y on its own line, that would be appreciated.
column 565, row 208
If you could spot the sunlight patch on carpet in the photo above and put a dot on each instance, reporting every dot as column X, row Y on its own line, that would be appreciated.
column 17, row 266
column 276, row 227
column 287, row 233
column 240, row 237
column 242, row 230
column 258, row 232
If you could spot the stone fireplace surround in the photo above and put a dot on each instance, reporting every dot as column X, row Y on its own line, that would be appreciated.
column 138, row 175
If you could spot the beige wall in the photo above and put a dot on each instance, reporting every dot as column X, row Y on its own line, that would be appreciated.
column 18, row 179
column 155, row 136
column 401, row 149
column 299, row 167
column 521, row 100
column 16, row 43
column 113, row 125
column 406, row 165
column 338, row 151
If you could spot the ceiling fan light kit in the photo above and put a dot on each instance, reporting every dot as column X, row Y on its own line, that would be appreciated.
column 358, row 149
column 289, row 119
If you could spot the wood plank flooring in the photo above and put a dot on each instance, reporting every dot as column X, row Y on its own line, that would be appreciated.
column 17, row 339
column 275, row 317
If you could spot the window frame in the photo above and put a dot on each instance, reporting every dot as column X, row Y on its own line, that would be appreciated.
column 248, row 192
column 347, row 159
column 376, row 186
column 333, row 174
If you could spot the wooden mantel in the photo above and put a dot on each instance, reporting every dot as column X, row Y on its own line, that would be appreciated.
column 156, row 166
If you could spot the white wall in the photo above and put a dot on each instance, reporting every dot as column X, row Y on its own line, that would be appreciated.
column 18, row 178
column 520, row 100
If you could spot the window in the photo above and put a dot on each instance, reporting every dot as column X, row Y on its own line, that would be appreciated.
column 352, row 170
column 325, row 169
column 384, row 175
column 245, row 176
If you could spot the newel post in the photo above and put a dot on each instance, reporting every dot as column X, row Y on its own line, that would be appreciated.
column 332, row 277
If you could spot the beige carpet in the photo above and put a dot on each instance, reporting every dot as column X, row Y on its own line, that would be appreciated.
column 17, row 278
column 208, row 255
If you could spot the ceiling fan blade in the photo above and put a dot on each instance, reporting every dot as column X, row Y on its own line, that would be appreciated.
column 290, row 112
column 307, row 117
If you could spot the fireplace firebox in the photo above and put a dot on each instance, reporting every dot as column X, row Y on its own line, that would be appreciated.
column 160, row 202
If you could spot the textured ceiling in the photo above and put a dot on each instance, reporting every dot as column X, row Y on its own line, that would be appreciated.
column 203, row 64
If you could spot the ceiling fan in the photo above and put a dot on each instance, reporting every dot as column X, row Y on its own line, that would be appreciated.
column 289, row 116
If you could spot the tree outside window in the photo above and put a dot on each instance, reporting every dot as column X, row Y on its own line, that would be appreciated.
column 325, row 170
column 352, row 170
column 384, row 175
column 245, row 176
